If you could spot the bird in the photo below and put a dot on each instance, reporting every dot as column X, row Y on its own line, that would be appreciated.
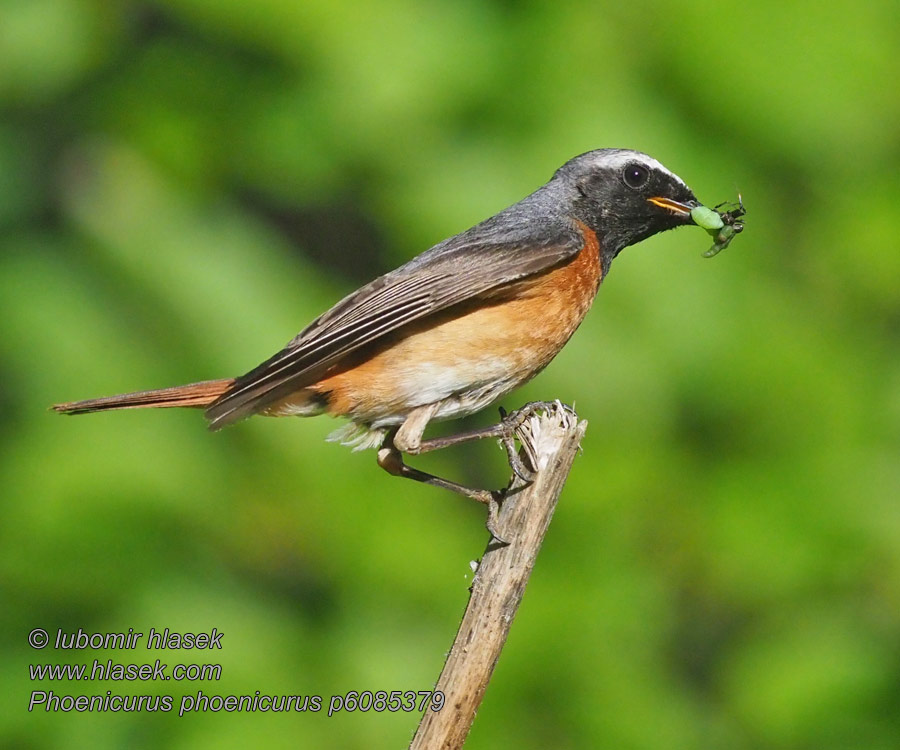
column 457, row 327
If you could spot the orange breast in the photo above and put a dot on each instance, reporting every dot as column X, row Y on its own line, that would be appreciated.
column 469, row 355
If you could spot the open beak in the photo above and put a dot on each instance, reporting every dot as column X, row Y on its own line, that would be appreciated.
column 681, row 209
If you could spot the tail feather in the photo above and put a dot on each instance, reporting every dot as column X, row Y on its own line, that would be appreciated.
column 194, row 394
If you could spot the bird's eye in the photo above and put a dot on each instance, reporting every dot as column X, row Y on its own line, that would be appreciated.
column 635, row 175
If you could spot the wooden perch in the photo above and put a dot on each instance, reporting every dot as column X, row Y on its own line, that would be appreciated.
column 550, row 443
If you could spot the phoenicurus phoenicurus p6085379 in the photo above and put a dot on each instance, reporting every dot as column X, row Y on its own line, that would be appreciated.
column 458, row 326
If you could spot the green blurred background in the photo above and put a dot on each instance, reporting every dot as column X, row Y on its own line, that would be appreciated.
column 184, row 184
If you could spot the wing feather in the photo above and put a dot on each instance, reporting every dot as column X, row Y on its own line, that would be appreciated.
column 459, row 269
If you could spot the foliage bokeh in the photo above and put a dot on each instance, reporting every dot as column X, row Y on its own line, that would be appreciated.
column 184, row 184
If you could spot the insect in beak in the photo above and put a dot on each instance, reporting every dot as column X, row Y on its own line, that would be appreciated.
column 722, row 225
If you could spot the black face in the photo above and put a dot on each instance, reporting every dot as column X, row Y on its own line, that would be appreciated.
column 626, row 196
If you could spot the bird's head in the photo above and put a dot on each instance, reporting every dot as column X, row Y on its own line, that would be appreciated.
column 625, row 196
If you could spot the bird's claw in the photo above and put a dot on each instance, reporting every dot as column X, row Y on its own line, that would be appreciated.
column 493, row 520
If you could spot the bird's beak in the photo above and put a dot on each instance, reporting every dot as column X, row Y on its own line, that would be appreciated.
column 681, row 209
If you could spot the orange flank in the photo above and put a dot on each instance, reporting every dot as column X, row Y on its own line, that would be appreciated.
column 503, row 339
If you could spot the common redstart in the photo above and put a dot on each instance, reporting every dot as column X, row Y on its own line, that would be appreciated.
column 457, row 327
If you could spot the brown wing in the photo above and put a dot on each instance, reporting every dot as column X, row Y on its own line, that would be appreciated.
column 452, row 272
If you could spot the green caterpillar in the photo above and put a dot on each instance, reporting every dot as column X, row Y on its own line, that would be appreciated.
column 723, row 226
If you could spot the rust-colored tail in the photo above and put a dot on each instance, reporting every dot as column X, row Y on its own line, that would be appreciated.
column 194, row 394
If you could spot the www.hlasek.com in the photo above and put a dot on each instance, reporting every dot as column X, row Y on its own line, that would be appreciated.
column 50, row 701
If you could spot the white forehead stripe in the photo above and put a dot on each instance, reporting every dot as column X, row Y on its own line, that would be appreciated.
column 617, row 159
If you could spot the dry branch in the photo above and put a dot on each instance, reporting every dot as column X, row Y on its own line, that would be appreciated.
column 550, row 442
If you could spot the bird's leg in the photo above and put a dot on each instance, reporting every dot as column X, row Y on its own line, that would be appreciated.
column 513, row 422
column 391, row 460
column 408, row 439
